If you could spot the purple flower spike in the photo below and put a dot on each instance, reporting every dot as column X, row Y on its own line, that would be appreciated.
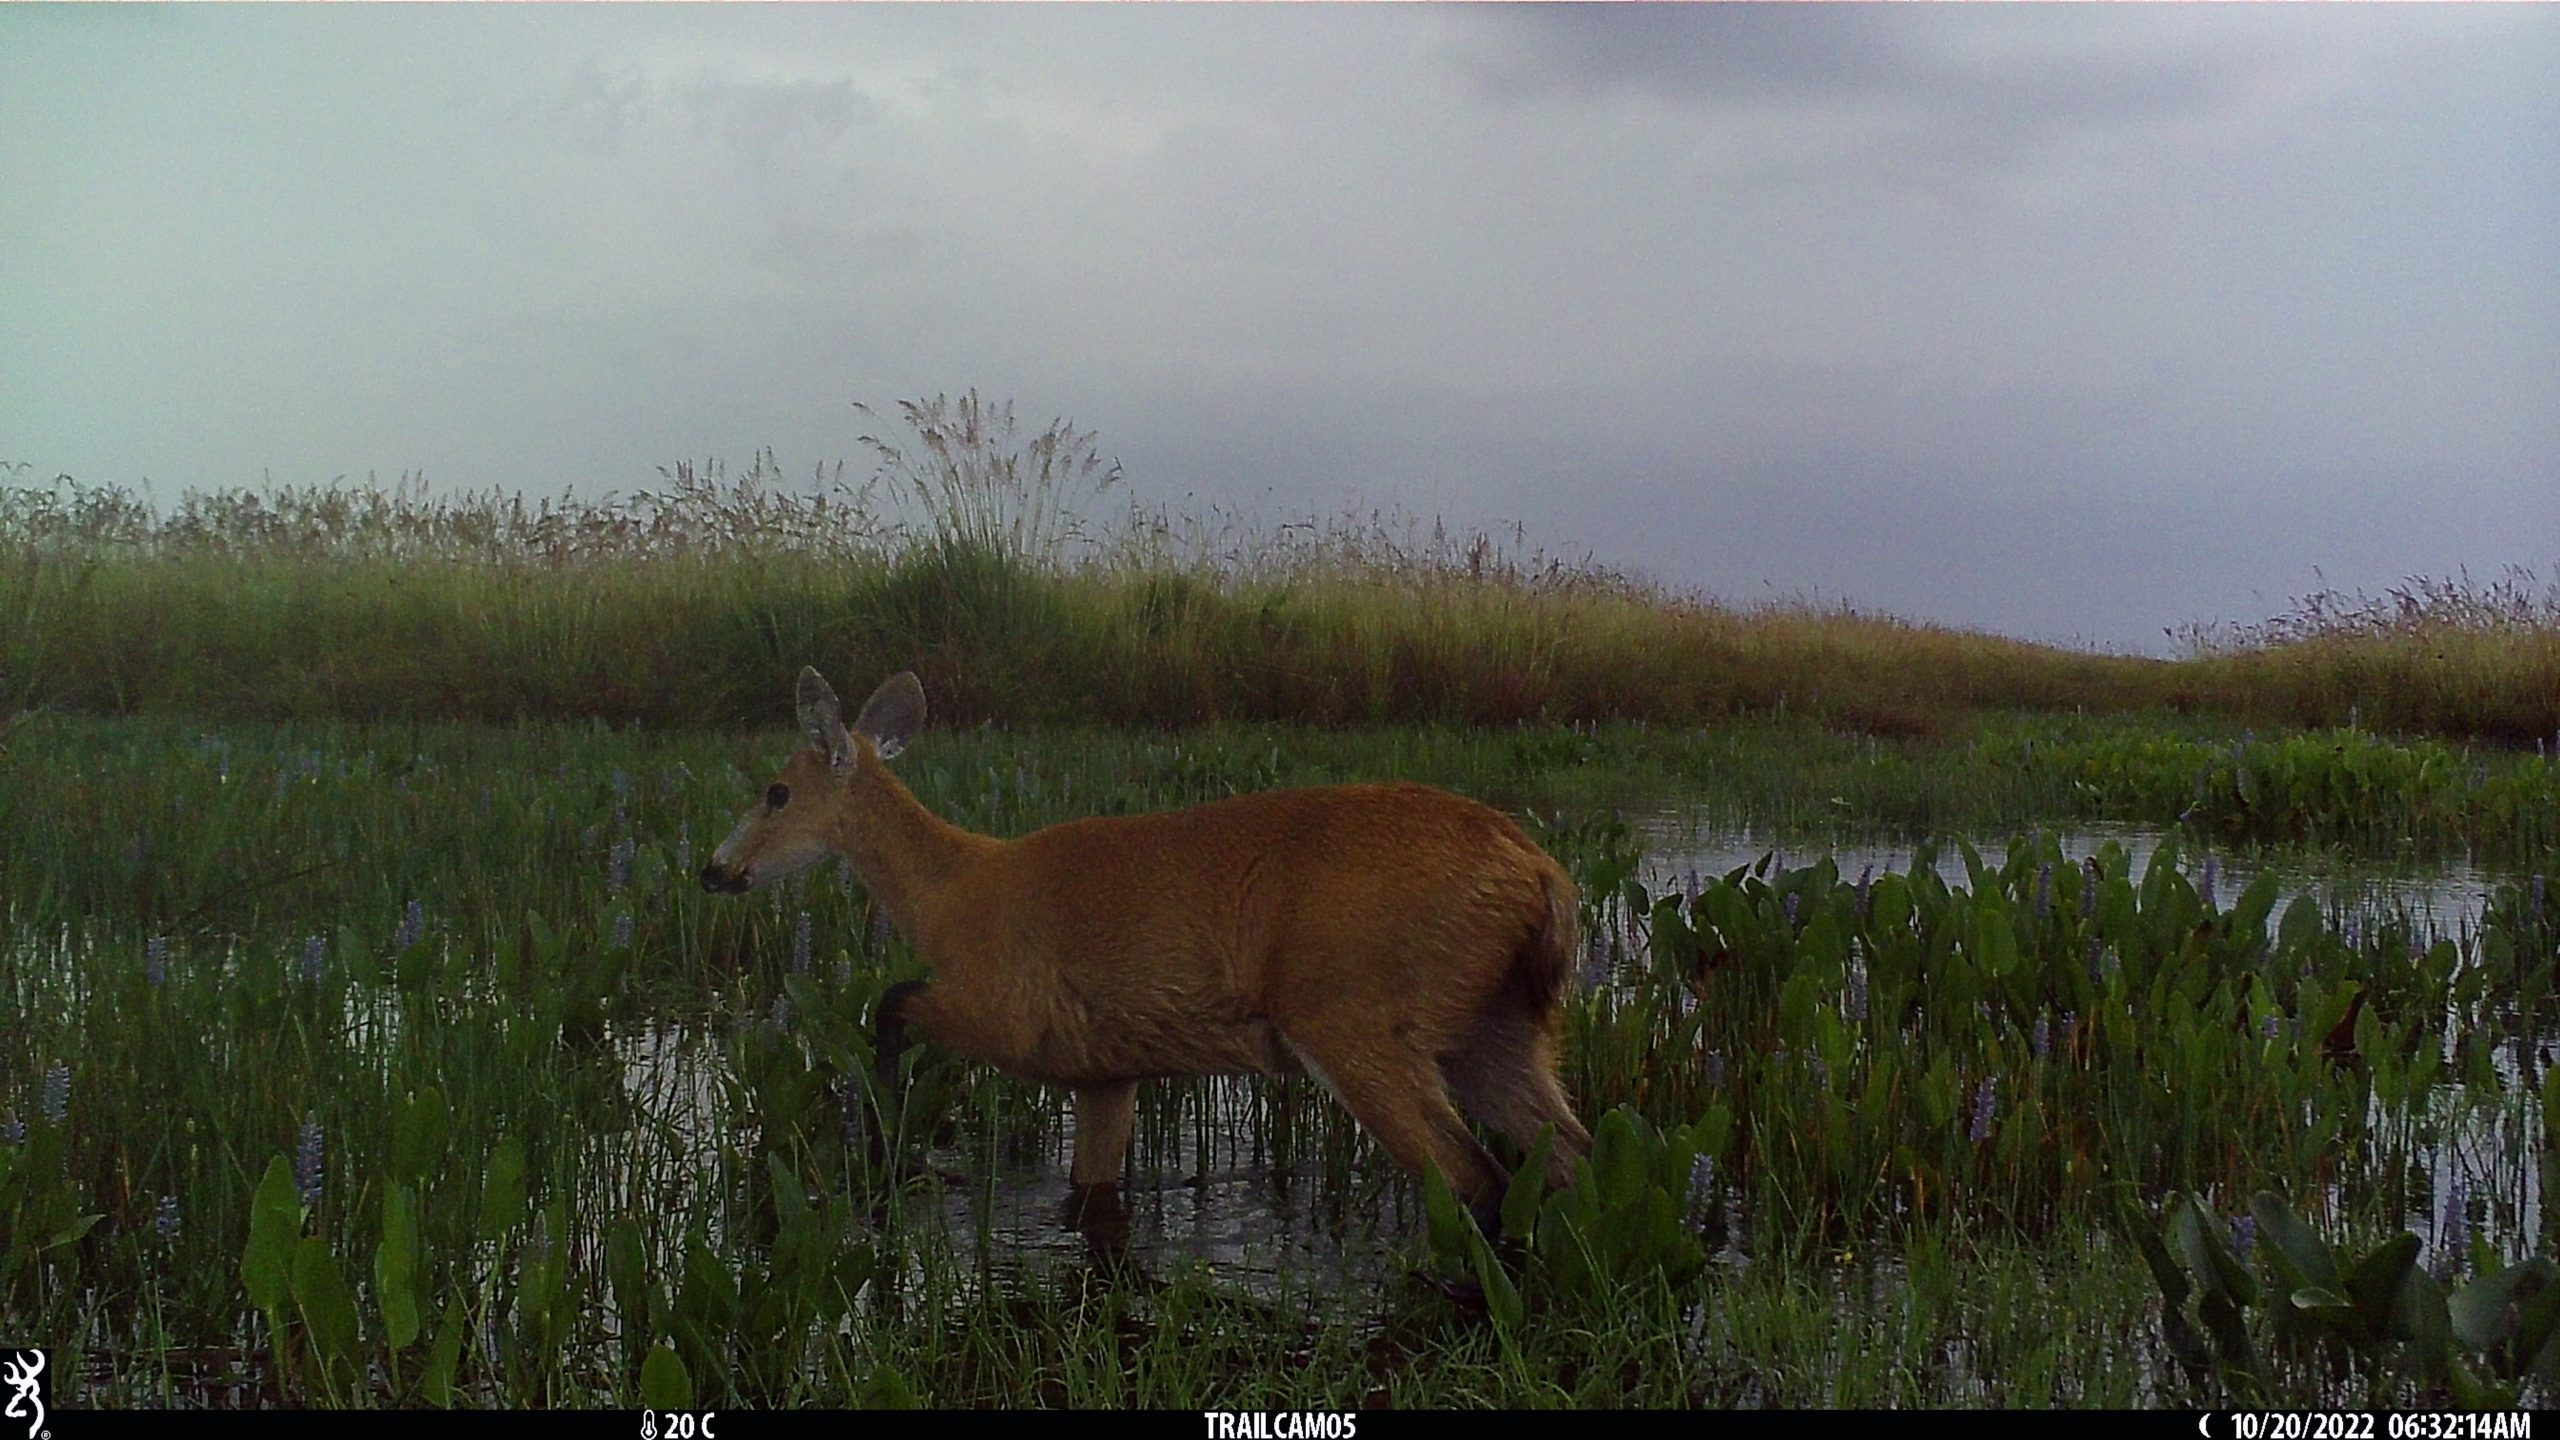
column 308, row 1162
column 1702, row 1188
column 55, row 1102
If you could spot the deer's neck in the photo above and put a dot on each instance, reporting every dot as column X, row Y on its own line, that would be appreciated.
column 903, row 853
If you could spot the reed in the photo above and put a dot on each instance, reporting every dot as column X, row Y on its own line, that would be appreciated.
column 676, row 605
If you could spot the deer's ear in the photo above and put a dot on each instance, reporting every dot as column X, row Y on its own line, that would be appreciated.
column 822, row 718
column 894, row 712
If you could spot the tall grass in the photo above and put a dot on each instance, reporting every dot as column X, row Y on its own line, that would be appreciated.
column 2454, row 656
column 981, row 558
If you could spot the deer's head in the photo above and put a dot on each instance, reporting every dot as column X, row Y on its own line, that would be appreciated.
column 812, row 805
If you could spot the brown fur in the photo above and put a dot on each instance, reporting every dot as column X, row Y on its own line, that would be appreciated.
column 1406, row 944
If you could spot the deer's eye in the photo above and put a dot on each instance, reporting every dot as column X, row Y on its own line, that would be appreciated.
column 777, row 796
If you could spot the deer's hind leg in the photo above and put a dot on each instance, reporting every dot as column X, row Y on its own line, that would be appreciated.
column 1399, row 1097
column 1504, row 1073
column 1105, row 1115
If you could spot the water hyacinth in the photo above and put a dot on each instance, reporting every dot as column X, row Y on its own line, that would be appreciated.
column 2039, row 1040
column 2044, row 891
column 1858, row 906
column 413, row 927
column 166, row 1220
column 684, row 847
column 13, row 1131
column 308, row 1161
column 2244, row 1234
column 1855, row 1010
column 2454, row 1224
column 879, row 937
column 1985, row 1108
column 1702, row 1188
column 2212, row 867
column 1795, row 907
column 55, row 1101
column 801, row 944
column 1712, row 1065
column 2267, row 1027
column 778, row 1019
column 155, row 960
column 2533, row 903
column 617, row 875
column 2089, row 889
column 622, row 931
column 314, row 951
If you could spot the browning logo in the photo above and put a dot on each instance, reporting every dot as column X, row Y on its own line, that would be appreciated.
column 22, row 1380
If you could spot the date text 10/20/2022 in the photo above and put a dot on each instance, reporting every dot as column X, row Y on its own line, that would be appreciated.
column 2365, row 1425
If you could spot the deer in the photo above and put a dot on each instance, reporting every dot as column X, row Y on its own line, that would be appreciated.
column 1406, row 947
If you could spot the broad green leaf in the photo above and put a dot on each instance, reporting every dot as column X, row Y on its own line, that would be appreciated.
column 328, row 1310
column 1528, row 1188
column 420, row 1132
column 502, row 1195
column 664, row 1382
column 275, row 1223
column 1617, row 1158
column 69, row 1231
column 395, row 1267
column 2374, row 1282
column 435, row 1382
column 2488, row 1309
column 2302, row 1256
column 1501, row 1297
column 886, row 1389
column 2197, row 1233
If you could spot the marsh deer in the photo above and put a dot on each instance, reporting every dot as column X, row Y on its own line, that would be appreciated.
column 1406, row 946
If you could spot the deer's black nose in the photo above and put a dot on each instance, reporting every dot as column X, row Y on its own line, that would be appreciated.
column 721, row 882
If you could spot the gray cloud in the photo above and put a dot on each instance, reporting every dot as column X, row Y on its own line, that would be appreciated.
column 2070, row 321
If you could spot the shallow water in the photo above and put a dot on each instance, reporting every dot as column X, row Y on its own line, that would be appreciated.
column 2480, row 1176
column 1203, row 1190
column 2440, row 899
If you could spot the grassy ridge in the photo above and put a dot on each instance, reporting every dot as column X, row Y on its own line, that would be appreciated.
column 682, row 608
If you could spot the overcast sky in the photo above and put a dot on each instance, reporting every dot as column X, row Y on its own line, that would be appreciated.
column 2069, row 322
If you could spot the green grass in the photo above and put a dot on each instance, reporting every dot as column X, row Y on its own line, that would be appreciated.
column 1881, row 1251
column 679, row 608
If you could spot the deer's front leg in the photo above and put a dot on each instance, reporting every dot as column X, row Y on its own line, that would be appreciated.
column 889, row 1031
